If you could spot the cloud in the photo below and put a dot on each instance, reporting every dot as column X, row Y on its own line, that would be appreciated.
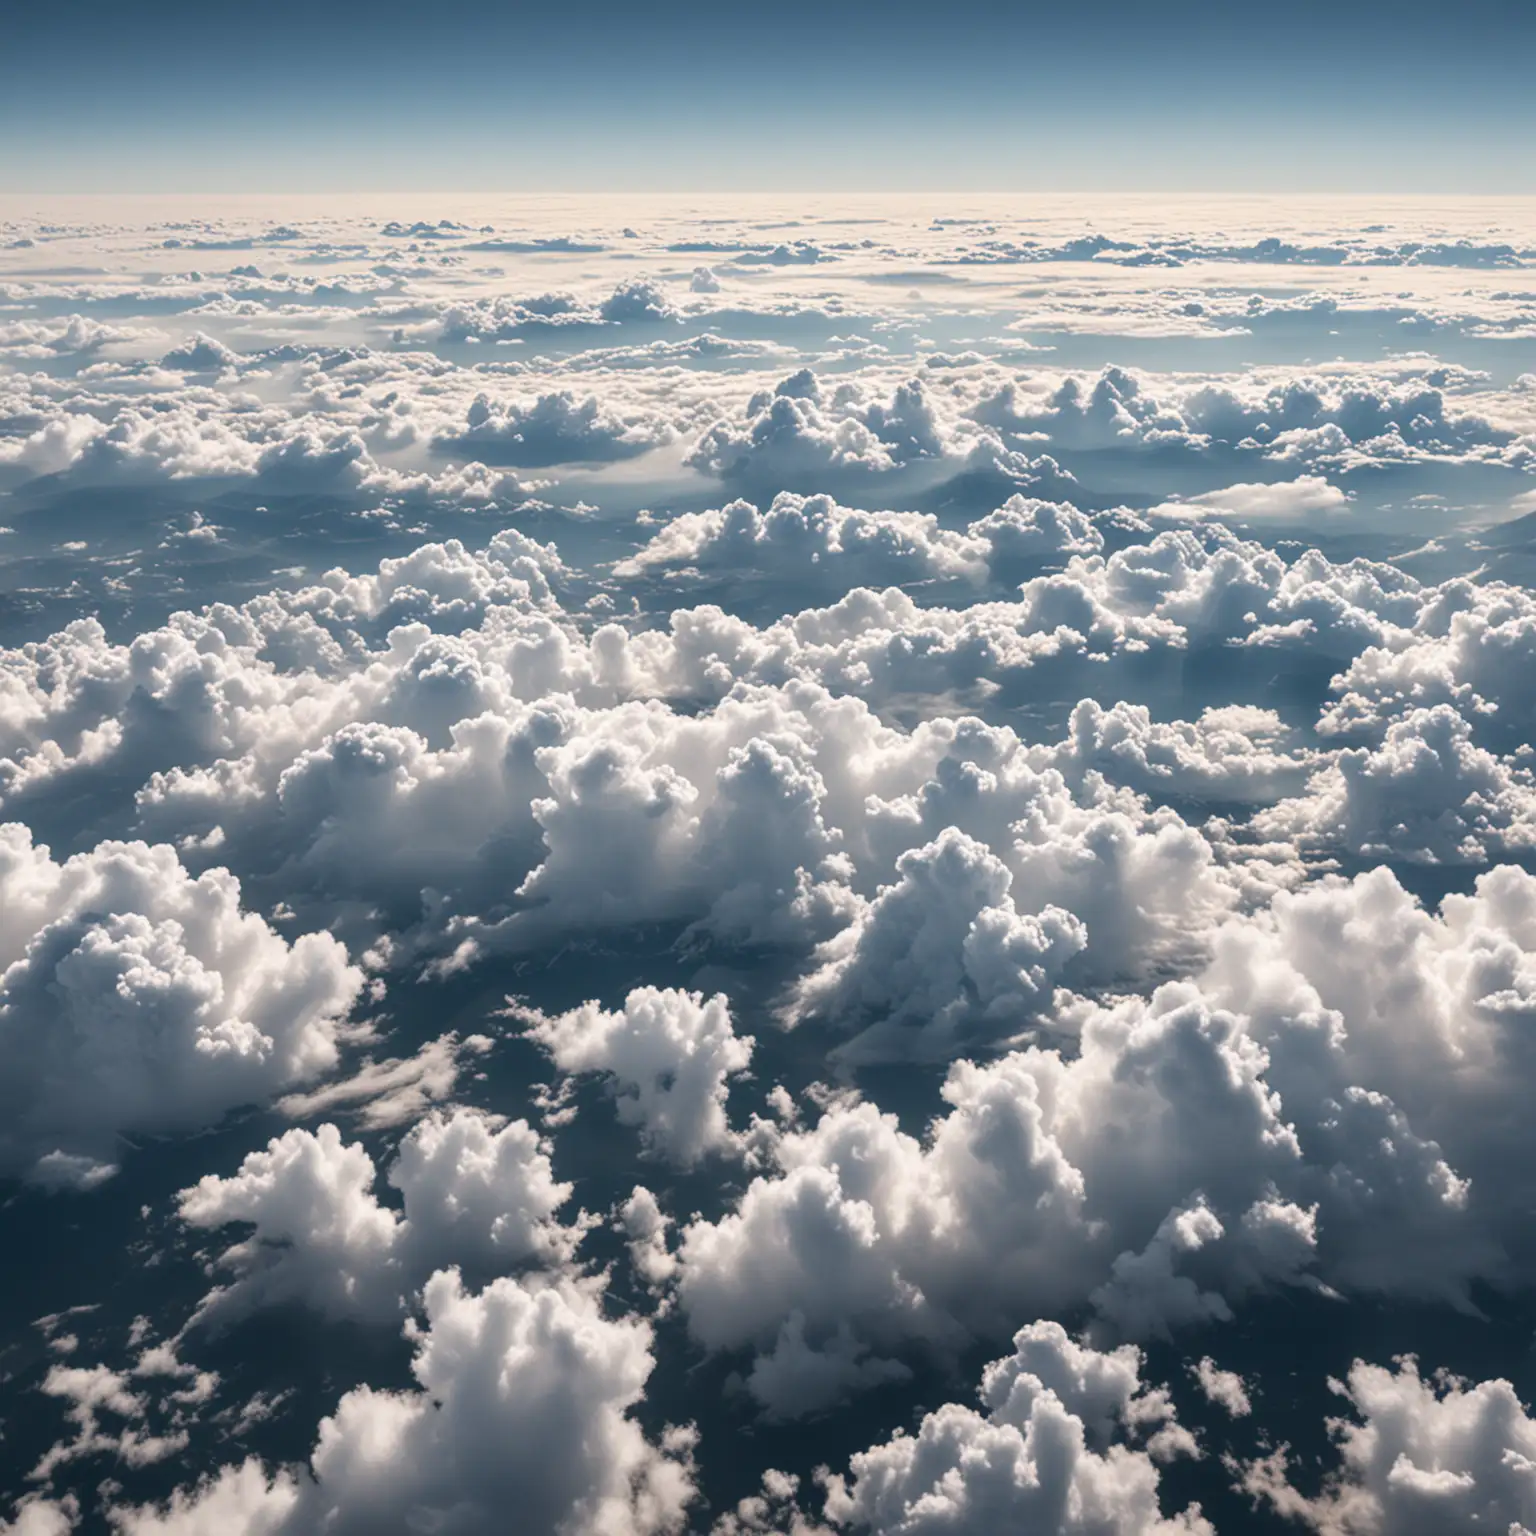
column 1049, row 1453
column 68, row 336
column 1372, row 1009
column 941, row 960
column 41, row 1517
column 801, row 430
column 200, row 354
column 139, row 999
column 1355, row 417
column 1285, row 500
column 812, row 541
column 524, row 1401
column 473, row 1191
column 809, row 538
column 1461, row 644
column 972, row 740
column 1021, row 1197
column 553, row 429
column 637, row 301
column 1231, row 753
column 1224, row 1388
column 1427, row 793
column 1282, row 1123
column 1419, row 1455
column 670, row 1056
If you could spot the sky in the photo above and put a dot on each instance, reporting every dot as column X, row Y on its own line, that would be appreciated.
column 1195, row 95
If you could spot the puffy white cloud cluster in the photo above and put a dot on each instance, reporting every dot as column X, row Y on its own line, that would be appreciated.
column 941, row 959
column 1047, row 1452
column 1301, row 420
column 276, row 672
column 637, row 301
column 196, row 438
column 1293, row 247
column 136, row 998
column 139, row 1416
column 1230, row 753
column 69, row 335
column 1436, row 1455
column 799, row 536
column 524, row 1403
column 1045, row 1169
column 42, row 1517
column 443, row 745
column 812, row 539
column 473, row 1192
column 201, row 354
column 224, row 702
column 1336, row 1101
column 1020, row 818
column 1427, row 793
column 1468, row 644
column 553, row 429
column 1370, row 1008
column 670, row 1056
column 804, row 429
column 500, row 764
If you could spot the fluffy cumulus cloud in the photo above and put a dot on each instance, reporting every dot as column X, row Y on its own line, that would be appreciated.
column 1428, row 792
column 471, row 1193
column 939, row 828
column 813, row 540
column 807, row 426
column 1464, row 644
column 553, row 429
column 806, row 536
column 1351, row 1126
column 670, row 1056
column 1415, row 1454
column 137, row 998
column 1385, row 1011
column 523, row 1402
column 1308, row 422
column 941, row 958
column 1038, row 1186
column 1067, row 1441
column 1240, row 753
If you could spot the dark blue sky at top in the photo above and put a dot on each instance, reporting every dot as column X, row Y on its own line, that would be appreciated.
column 1116, row 95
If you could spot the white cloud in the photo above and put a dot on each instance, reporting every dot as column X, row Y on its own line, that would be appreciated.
column 472, row 1191
column 1048, row 1454
column 553, row 429
column 523, row 1403
column 941, row 962
column 1224, row 1388
column 810, row 537
column 1426, row 793
column 1351, row 1126
column 670, row 1056
column 943, row 782
column 1439, row 1455
column 139, row 999
column 1283, row 500
column 41, row 1517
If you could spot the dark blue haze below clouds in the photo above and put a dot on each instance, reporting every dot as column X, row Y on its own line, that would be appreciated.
column 1193, row 95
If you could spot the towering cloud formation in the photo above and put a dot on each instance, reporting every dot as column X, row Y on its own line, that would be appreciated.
column 523, row 1400
column 615, row 872
column 139, row 999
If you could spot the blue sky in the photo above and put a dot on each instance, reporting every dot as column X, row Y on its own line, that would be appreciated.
column 1196, row 95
